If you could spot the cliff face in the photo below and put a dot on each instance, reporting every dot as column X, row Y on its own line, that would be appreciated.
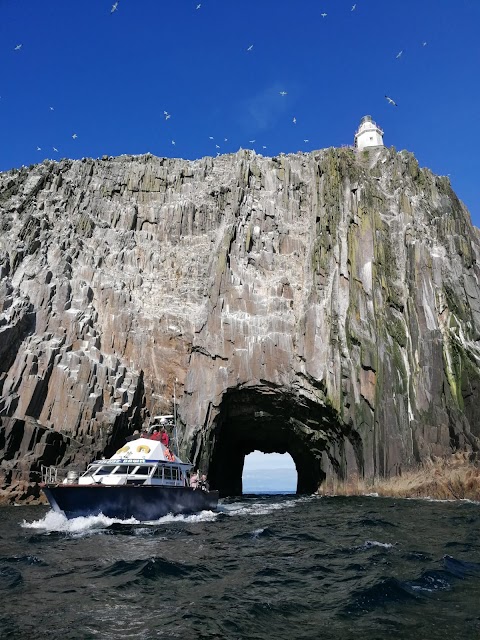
column 324, row 304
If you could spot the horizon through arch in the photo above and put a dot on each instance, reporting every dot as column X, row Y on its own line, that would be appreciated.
column 269, row 473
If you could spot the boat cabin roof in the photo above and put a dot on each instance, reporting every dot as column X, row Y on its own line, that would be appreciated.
column 144, row 451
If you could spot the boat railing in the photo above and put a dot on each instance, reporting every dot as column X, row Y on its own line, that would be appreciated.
column 53, row 475
column 49, row 474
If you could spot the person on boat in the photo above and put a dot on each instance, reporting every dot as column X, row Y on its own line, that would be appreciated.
column 155, row 435
column 194, row 480
column 164, row 439
column 203, row 484
column 135, row 435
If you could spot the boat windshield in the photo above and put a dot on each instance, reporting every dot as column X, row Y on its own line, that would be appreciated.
column 143, row 471
column 102, row 471
column 125, row 469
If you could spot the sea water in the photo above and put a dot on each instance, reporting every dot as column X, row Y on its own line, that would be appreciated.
column 261, row 567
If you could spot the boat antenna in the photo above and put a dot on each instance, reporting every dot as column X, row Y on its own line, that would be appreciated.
column 175, row 412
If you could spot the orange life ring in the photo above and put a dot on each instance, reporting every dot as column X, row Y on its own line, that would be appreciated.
column 169, row 455
column 142, row 448
column 124, row 449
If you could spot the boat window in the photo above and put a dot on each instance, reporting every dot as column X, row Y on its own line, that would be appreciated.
column 174, row 473
column 167, row 473
column 142, row 471
column 103, row 471
column 123, row 468
column 158, row 473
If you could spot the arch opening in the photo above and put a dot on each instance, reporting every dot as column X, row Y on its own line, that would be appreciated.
column 271, row 419
column 269, row 473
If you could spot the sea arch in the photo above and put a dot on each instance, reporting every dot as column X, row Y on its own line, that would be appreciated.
column 273, row 419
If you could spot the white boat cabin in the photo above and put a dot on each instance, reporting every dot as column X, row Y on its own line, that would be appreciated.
column 141, row 461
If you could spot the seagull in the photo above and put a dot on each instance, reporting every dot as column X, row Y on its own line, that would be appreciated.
column 74, row 136
column 399, row 54
column 173, row 142
column 283, row 93
column 52, row 109
column 324, row 15
column 264, row 147
column 424, row 44
column 55, row 149
column 390, row 101
column 294, row 121
column 217, row 146
column 198, row 6
column 354, row 7
column 252, row 141
column 39, row 148
column 225, row 139
column 114, row 7
column 307, row 140
column 210, row 137
column 250, row 47
column 18, row 47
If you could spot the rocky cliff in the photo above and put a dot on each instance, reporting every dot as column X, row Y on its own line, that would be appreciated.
column 324, row 304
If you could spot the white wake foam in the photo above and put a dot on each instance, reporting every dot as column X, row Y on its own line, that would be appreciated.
column 57, row 522
column 374, row 543
column 261, row 508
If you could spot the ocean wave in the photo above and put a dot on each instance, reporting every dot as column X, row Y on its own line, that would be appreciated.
column 430, row 582
column 10, row 578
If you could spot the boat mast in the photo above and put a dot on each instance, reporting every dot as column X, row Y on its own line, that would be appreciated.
column 175, row 413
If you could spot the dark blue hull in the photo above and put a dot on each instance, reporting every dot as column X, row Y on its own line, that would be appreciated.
column 144, row 502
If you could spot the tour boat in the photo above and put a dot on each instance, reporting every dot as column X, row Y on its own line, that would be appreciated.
column 143, row 480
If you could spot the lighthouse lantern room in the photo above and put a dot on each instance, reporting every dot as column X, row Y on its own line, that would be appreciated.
column 368, row 134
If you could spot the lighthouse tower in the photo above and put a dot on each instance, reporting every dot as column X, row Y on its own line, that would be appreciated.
column 368, row 134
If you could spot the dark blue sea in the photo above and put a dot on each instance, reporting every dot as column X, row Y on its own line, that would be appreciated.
column 282, row 567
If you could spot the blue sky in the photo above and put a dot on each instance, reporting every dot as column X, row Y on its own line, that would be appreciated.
column 110, row 76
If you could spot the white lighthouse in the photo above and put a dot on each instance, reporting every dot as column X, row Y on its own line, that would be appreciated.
column 368, row 134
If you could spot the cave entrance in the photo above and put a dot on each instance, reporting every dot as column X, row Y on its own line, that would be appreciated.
column 271, row 420
column 269, row 473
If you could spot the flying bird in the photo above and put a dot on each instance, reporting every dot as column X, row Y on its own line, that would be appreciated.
column 18, row 47
column 198, row 6
column 210, row 137
column 252, row 141
column 294, row 121
column 264, row 147
column 424, row 44
column 307, row 140
column 114, row 7
column 74, row 136
column 283, row 93
column 225, row 139
column 390, row 101
column 55, row 149
column 324, row 15
column 399, row 54
column 173, row 141
column 52, row 109
column 250, row 47
column 39, row 148
column 354, row 7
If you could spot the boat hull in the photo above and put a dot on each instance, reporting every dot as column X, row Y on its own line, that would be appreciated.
column 144, row 502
